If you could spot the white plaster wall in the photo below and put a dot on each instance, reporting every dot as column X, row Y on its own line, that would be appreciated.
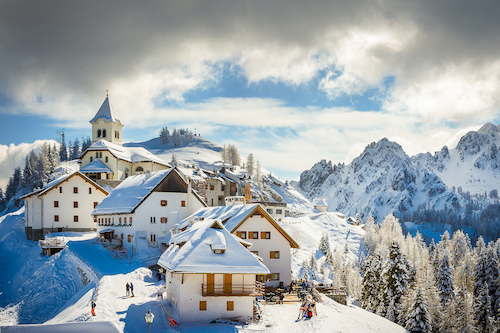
column 110, row 128
column 151, row 207
column 264, row 246
column 189, row 298
column 66, row 199
column 33, row 213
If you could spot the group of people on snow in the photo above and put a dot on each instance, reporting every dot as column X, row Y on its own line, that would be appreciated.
column 129, row 288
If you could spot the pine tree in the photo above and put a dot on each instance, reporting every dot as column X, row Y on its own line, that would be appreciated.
column 258, row 172
column 164, row 135
column 174, row 160
column 324, row 244
column 176, row 138
column 75, row 150
column 461, row 312
column 314, row 267
column 86, row 143
column 13, row 184
column 371, row 283
column 482, row 309
column 444, row 281
column 63, row 150
column 54, row 159
column 419, row 319
column 250, row 164
column 305, row 270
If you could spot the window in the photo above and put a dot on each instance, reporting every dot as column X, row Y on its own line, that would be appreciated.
column 122, row 236
column 96, row 154
column 75, row 204
column 269, row 210
column 75, row 218
column 153, row 238
column 120, row 220
column 241, row 234
column 164, row 202
column 75, row 189
column 103, row 133
column 56, row 218
column 183, row 203
column 230, row 305
column 164, row 220
column 129, row 238
column 265, row 235
column 106, row 159
column 255, row 252
column 117, row 134
column 219, row 251
column 152, row 219
column 99, row 133
column 203, row 305
column 100, row 154
column 56, row 203
column 95, row 204
column 274, row 276
column 60, row 189
column 279, row 211
column 90, row 190
column 253, row 235
column 130, row 220
column 274, row 254
column 139, row 169
column 90, row 158
column 212, row 187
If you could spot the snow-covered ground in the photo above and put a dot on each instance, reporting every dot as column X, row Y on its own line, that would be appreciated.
column 58, row 289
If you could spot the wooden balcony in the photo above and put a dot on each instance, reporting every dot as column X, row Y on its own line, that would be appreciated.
column 232, row 289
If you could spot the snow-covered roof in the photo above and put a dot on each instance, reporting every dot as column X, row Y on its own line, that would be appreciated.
column 106, row 112
column 96, row 166
column 233, row 217
column 59, row 180
column 129, row 154
column 75, row 327
column 199, row 174
column 230, row 175
column 192, row 251
column 127, row 196
column 320, row 202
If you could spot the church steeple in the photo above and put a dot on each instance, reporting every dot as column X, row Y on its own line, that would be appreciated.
column 105, row 125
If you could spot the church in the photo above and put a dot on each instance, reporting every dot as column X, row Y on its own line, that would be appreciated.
column 106, row 160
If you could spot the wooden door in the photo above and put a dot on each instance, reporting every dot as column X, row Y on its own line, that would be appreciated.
column 228, row 283
column 210, row 284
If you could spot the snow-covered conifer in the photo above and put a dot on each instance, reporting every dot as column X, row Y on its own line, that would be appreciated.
column 418, row 318
column 482, row 309
column 176, row 138
column 258, row 171
column 444, row 280
column 305, row 270
column 63, row 150
column 75, row 150
column 174, row 160
column 250, row 164
column 324, row 244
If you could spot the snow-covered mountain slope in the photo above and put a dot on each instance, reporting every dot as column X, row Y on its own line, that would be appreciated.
column 307, row 232
column 198, row 151
column 473, row 165
column 382, row 180
column 207, row 155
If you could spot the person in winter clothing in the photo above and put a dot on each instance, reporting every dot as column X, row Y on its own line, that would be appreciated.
column 132, row 289
column 127, row 288
column 92, row 304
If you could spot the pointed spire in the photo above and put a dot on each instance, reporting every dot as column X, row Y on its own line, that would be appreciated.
column 105, row 111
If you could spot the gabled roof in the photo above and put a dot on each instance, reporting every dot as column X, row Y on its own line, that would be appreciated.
column 191, row 251
column 127, row 196
column 129, row 154
column 52, row 184
column 320, row 202
column 106, row 112
column 96, row 166
column 234, row 216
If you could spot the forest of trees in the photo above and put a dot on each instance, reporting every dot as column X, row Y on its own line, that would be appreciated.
column 177, row 137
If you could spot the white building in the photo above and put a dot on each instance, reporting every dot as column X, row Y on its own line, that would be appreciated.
column 320, row 204
column 146, row 206
column 210, row 274
column 252, row 222
column 64, row 204
column 275, row 209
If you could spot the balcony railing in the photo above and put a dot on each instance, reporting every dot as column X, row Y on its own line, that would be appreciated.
column 254, row 289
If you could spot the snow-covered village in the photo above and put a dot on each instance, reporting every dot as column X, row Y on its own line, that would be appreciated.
column 249, row 167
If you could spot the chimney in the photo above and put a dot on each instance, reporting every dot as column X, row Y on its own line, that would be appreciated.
column 147, row 174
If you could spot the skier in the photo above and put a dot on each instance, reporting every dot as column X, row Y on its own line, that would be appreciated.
column 127, row 288
column 132, row 289
column 92, row 304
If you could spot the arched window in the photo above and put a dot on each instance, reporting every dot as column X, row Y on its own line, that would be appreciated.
column 126, row 172
column 98, row 133
column 103, row 133
column 117, row 134
column 90, row 158
column 139, row 169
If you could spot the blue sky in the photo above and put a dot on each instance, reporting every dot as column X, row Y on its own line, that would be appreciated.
column 289, row 81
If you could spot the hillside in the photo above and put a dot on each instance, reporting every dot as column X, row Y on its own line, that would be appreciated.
column 58, row 289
